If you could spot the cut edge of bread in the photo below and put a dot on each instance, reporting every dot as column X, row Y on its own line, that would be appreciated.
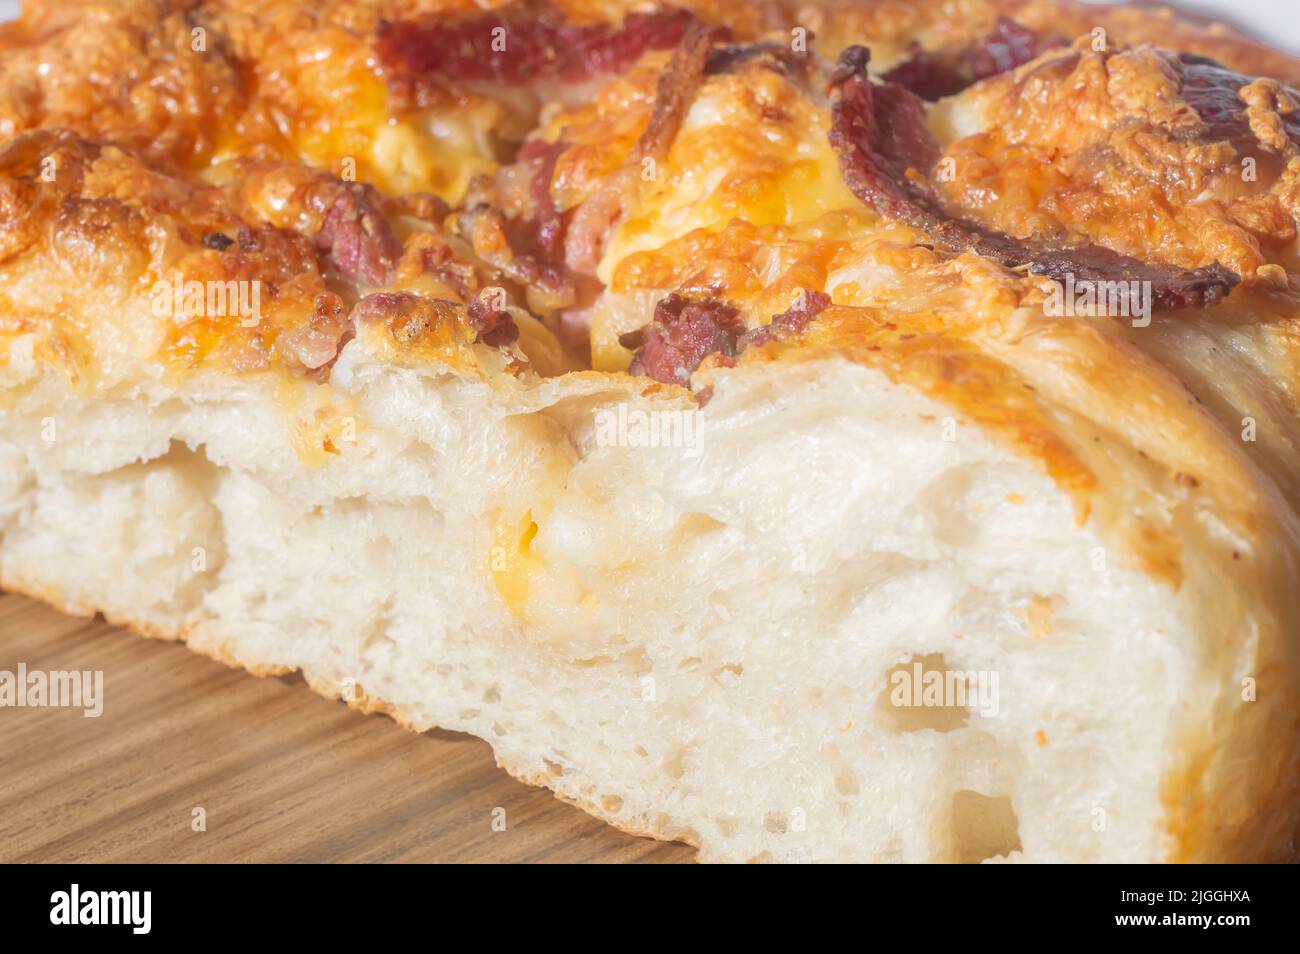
column 769, row 581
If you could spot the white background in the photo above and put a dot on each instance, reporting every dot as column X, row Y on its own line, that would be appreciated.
column 1277, row 22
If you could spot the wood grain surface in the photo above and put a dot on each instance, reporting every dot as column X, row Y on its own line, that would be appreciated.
column 281, row 773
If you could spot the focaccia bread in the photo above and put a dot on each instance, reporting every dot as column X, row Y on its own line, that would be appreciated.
column 674, row 396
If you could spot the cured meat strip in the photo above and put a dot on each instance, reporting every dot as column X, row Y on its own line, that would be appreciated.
column 678, row 84
column 779, row 56
column 518, row 46
column 879, row 132
column 791, row 321
column 1212, row 89
column 493, row 326
column 357, row 238
column 683, row 334
column 546, row 221
column 934, row 74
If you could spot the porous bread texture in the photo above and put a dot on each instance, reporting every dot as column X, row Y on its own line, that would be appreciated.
column 694, row 643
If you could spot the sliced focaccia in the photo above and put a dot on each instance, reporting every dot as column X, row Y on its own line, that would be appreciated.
column 706, row 407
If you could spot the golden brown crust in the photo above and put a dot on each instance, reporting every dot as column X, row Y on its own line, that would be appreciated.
column 1104, row 146
column 209, row 117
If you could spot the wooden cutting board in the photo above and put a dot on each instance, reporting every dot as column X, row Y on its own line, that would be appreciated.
column 280, row 773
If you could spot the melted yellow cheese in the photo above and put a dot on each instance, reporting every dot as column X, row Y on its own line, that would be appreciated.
column 319, row 100
column 515, row 567
column 751, row 166
column 753, row 147
column 436, row 151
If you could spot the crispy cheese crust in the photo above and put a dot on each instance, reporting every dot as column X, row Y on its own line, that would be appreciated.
column 158, row 142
